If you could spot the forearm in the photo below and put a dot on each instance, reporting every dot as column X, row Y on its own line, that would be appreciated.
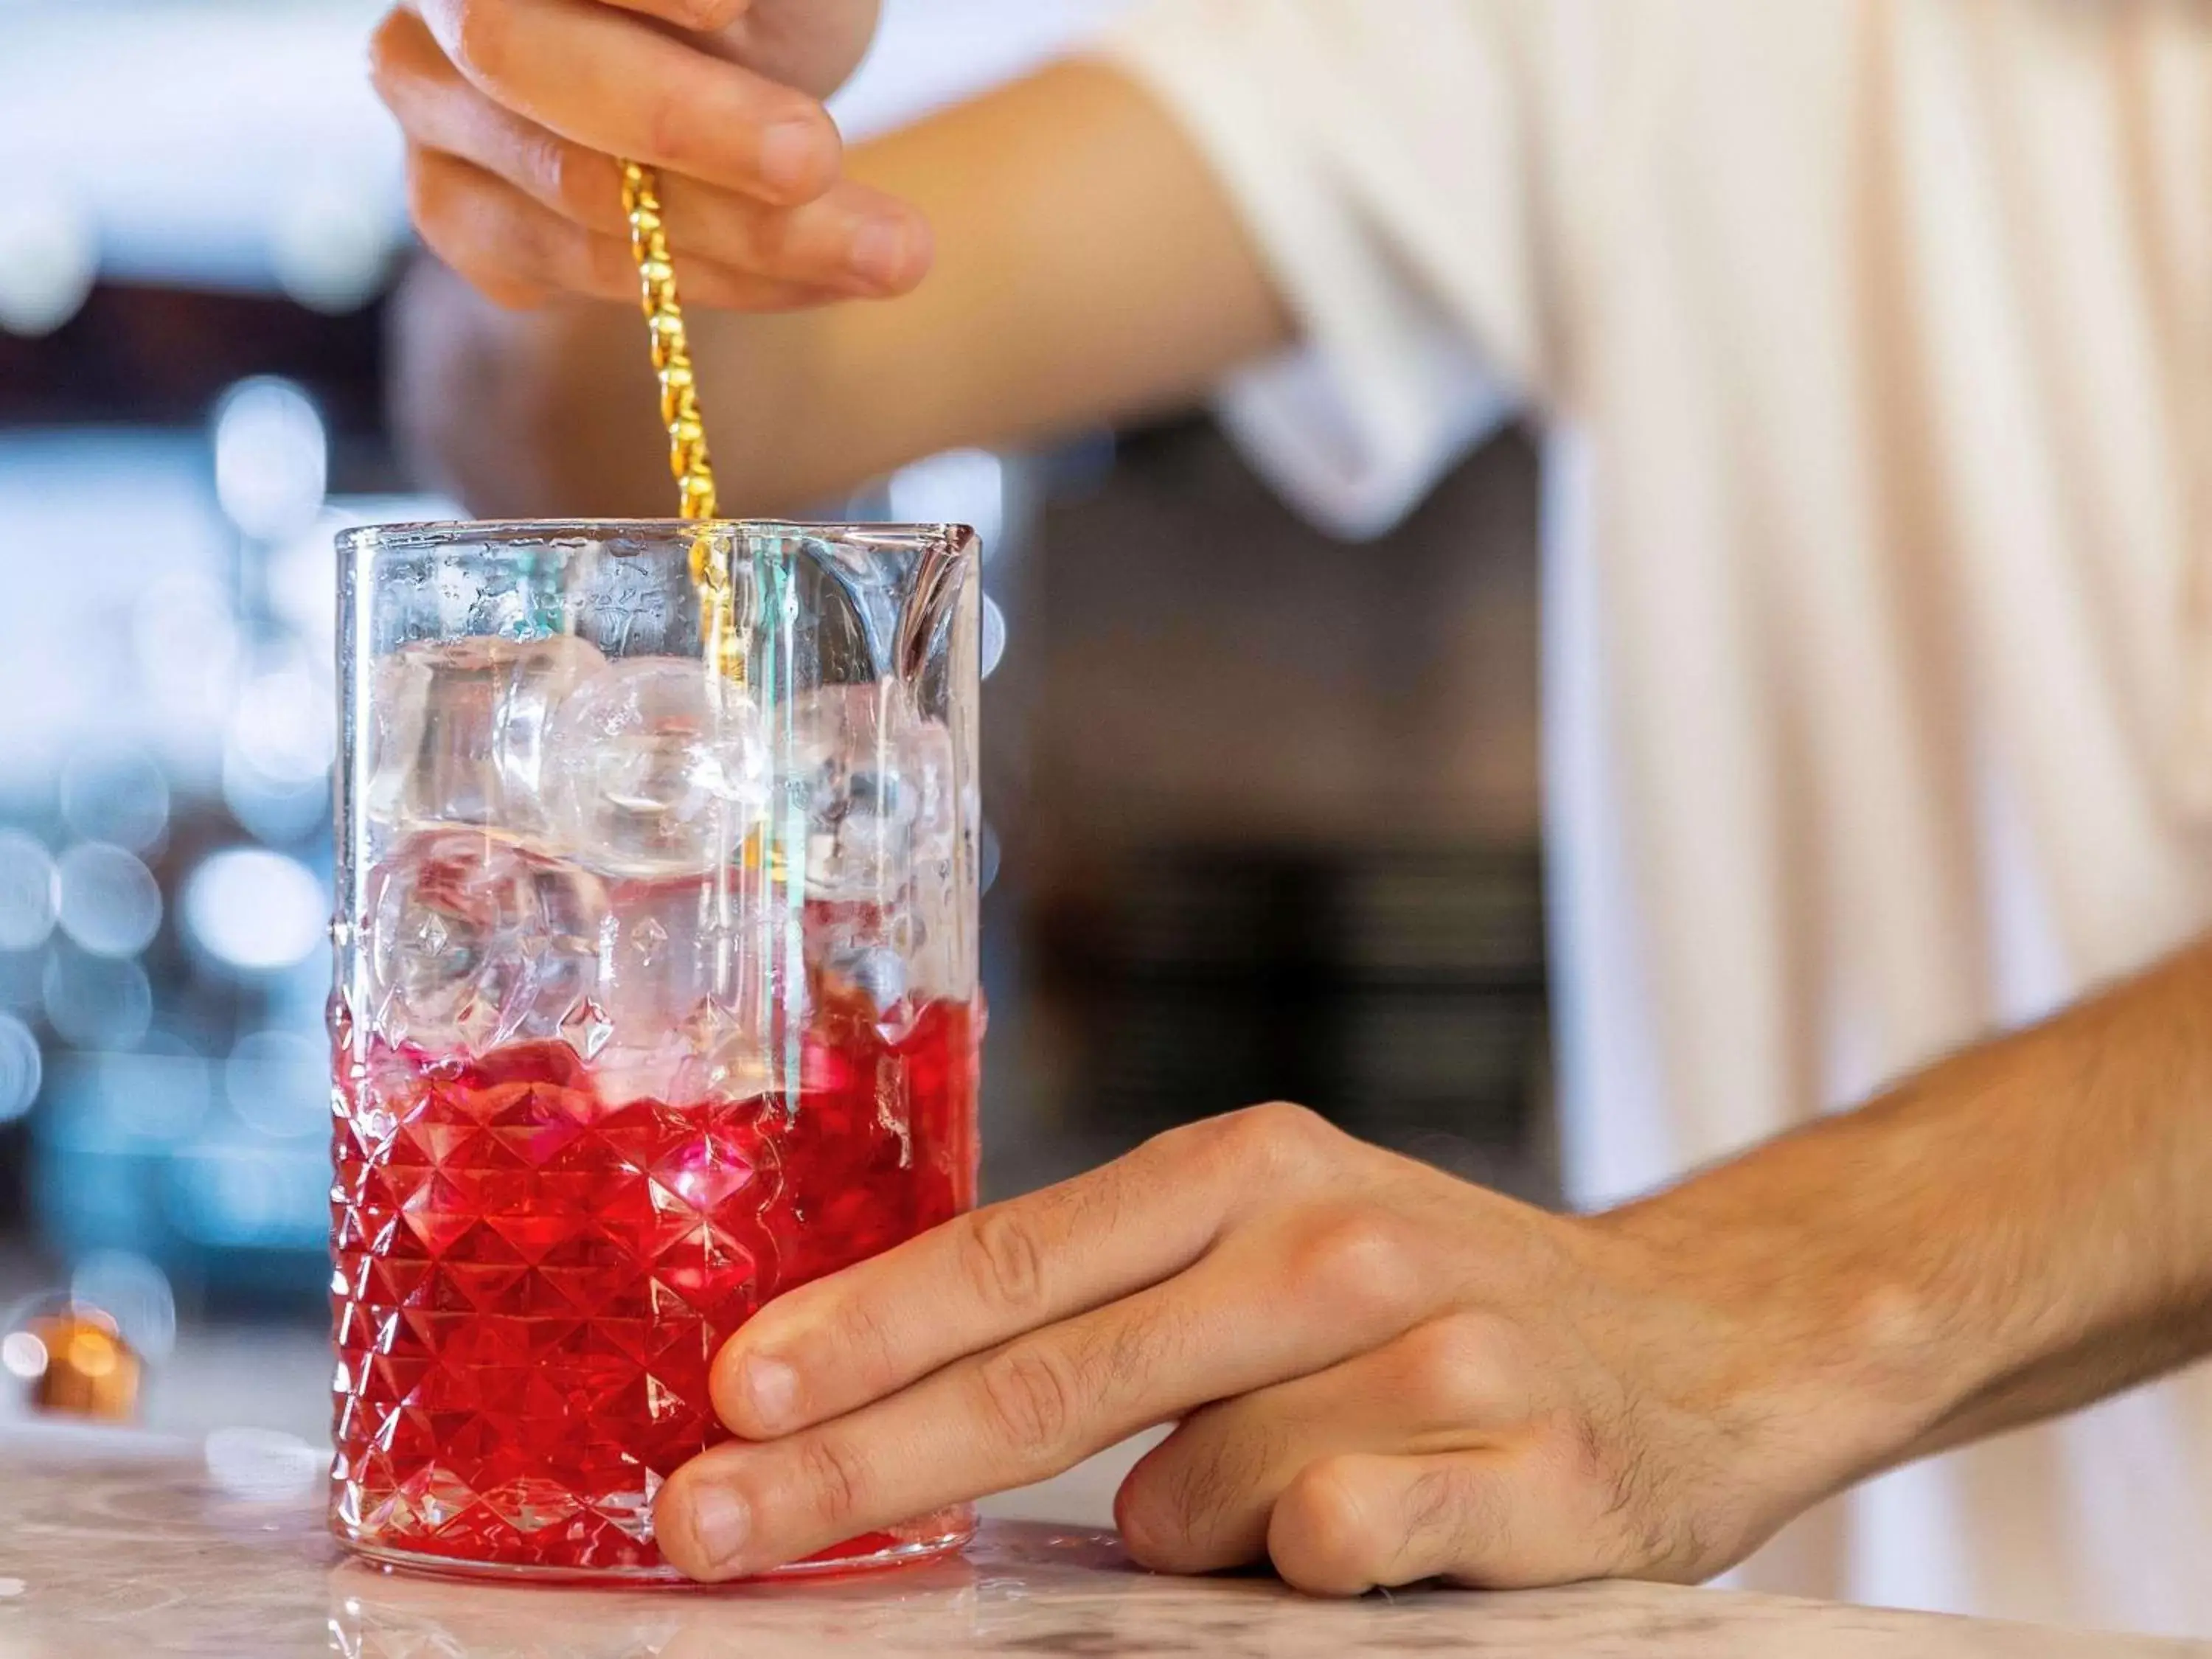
column 1089, row 269
column 2017, row 1231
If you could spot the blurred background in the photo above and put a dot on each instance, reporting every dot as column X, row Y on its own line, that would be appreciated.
column 1264, row 811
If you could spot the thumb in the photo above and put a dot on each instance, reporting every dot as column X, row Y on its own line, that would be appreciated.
column 1489, row 1520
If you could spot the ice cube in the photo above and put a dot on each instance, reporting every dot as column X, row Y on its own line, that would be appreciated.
column 687, row 968
column 878, row 782
column 459, row 732
column 475, row 941
column 895, row 958
column 654, row 768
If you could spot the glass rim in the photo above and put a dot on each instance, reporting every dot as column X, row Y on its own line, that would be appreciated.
column 431, row 533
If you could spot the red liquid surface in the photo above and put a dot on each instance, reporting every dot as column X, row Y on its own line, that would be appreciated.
column 530, row 1282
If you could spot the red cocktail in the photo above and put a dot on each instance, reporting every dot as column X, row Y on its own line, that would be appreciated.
column 532, row 1281
column 657, row 999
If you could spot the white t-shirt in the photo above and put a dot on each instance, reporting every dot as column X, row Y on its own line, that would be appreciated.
column 1873, row 338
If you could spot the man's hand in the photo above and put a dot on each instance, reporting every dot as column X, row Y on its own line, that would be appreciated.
column 516, row 109
column 1381, row 1374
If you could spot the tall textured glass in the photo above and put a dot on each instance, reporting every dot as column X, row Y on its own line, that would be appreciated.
column 656, row 997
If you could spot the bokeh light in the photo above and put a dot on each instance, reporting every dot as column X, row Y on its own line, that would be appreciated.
column 49, row 258
column 120, row 796
column 961, row 486
column 329, row 245
column 94, row 1002
column 23, row 1355
column 22, row 981
column 111, row 905
column 255, row 911
column 303, row 583
column 994, row 643
column 30, row 892
column 272, row 458
column 22, row 1070
column 185, row 636
column 277, row 751
column 134, row 1293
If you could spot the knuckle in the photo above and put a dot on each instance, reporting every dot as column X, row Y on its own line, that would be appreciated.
column 1000, row 1255
column 1029, row 1395
column 1253, row 1147
column 1450, row 1369
column 669, row 126
column 862, row 1344
column 565, row 181
column 1362, row 1262
column 1282, row 1138
column 835, row 1478
column 483, row 38
column 1282, row 1123
column 1322, row 1538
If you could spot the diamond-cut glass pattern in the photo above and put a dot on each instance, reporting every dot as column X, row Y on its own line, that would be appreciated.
column 529, row 1284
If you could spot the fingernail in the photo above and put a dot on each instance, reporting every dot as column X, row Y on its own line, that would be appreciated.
column 719, row 1522
column 791, row 155
column 772, row 1389
column 879, row 251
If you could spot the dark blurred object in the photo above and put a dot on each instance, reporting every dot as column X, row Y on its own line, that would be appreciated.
column 1275, row 812
column 162, row 357
column 1402, row 994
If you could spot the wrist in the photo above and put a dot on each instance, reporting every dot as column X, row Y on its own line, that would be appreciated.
column 1816, row 1363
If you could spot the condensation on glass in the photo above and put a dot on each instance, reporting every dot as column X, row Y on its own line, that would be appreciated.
column 656, row 996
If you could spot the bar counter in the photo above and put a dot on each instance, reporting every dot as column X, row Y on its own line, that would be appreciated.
column 123, row 1546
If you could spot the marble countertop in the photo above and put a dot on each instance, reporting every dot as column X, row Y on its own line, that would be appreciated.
column 110, row 1545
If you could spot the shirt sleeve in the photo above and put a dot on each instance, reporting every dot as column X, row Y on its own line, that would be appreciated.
column 1375, row 150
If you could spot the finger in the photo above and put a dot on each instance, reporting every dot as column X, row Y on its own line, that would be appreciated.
column 1488, row 1520
column 1244, row 1318
column 441, row 201
column 614, row 85
column 855, row 241
column 979, row 1281
column 698, row 14
column 439, row 109
column 517, row 252
column 1200, row 1501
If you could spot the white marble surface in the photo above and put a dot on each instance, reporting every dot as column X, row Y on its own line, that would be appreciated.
column 114, row 1547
